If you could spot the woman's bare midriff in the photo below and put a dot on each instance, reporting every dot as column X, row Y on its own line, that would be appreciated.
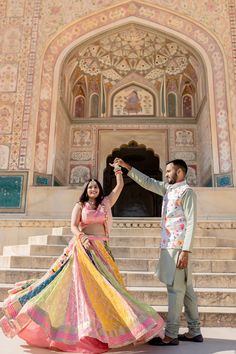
column 95, row 229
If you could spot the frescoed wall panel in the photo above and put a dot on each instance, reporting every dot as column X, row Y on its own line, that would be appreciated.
column 133, row 100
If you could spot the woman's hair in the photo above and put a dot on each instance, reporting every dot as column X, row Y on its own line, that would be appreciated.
column 84, row 196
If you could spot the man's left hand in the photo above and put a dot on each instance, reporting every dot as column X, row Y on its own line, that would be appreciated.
column 182, row 262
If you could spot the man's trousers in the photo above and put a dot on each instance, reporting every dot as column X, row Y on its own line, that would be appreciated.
column 181, row 294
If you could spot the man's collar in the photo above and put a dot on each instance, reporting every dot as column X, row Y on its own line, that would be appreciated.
column 177, row 184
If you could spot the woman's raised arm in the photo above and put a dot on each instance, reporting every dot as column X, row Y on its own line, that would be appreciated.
column 114, row 195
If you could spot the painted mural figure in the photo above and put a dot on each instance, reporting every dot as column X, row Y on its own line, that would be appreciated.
column 177, row 233
column 81, row 304
column 133, row 103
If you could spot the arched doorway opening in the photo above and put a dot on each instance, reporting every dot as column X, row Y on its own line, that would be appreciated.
column 134, row 201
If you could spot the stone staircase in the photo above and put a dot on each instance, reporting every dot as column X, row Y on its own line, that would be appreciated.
column 135, row 245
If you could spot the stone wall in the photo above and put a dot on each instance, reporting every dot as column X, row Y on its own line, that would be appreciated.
column 28, row 27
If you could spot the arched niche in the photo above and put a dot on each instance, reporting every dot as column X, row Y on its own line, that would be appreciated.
column 94, row 106
column 187, row 105
column 134, row 201
column 79, row 107
column 172, row 104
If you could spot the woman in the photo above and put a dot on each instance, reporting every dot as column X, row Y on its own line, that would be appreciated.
column 81, row 304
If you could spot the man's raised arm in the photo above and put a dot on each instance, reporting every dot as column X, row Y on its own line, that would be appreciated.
column 143, row 180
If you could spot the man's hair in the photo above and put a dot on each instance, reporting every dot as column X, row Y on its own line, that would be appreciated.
column 179, row 164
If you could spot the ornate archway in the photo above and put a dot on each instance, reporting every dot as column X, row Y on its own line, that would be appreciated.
column 155, row 17
column 134, row 201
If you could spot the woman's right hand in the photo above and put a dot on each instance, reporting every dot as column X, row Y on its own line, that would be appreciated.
column 86, row 244
column 84, row 241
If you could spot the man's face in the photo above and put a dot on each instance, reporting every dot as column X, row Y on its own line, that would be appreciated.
column 171, row 173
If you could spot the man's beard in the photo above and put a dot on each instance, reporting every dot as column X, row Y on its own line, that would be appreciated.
column 173, row 179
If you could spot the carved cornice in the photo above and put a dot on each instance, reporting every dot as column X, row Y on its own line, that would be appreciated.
column 34, row 223
column 117, row 223
column 134, row 120
column 135, row 224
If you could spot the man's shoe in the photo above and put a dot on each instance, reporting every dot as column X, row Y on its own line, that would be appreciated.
column 185, row 338
column 159, row 341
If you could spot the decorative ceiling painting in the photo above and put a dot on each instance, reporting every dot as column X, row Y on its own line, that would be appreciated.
column 131, row 55
column 133, row 49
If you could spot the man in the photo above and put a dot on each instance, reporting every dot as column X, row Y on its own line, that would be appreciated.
column 177, row 231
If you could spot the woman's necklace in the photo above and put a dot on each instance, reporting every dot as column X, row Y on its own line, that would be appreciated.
column 92, row 203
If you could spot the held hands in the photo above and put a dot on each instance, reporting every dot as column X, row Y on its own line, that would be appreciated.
column 182, row 262
column 121, row 163
column 116, row 168
column 115, row 165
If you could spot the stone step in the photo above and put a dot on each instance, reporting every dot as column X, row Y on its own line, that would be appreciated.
column 137, row 252
column 224, row 236
column 49, row 240
column 12, row 276
column 149, row 230
column 4, row 290
column 209, row 316
column 147, row 241
column 131, row 278
column 200, row 280
column 38, row 262
column 153, row 253
column 206, row 296
column 33, row 250
column 157, row 296
column 199, row 265
column 155, row 232
column 61, row 231
column 125, row 264
column 119, row 241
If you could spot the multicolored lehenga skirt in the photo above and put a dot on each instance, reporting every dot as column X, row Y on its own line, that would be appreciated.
column 79, row 305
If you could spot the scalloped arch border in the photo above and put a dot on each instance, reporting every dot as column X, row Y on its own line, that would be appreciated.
column 135, row 11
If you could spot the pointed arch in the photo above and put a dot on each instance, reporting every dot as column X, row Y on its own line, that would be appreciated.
column 94, row 106
column 187, row 105
column 156, row 17
column 79, row 110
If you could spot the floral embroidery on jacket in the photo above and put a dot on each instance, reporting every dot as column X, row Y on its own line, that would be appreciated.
column 173, row 218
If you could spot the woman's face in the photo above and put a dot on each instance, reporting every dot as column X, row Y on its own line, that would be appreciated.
column 93, row 190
